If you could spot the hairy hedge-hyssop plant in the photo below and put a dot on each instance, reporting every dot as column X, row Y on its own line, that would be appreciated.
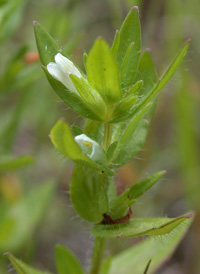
column 117, row 95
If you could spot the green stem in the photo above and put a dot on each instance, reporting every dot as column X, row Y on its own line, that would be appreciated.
column 107, row 135
column 99, row 245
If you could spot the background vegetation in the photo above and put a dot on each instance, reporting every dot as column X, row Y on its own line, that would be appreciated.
column 34, row 178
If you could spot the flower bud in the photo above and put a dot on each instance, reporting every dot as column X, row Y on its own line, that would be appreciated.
column 91, row 148
column 62, row 69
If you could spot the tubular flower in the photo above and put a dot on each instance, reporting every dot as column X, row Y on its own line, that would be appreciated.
column 61, row 71
column 91, row 148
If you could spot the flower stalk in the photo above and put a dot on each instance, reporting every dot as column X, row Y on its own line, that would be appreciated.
column 98, row 250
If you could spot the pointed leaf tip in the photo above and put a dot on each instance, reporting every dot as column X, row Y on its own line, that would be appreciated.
column 135, row 8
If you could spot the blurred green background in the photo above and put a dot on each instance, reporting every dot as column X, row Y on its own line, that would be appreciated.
column 35, row 211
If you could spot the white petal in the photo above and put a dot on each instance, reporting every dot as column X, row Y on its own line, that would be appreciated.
column 91, row 148
column 59, row 75
column 66, row 65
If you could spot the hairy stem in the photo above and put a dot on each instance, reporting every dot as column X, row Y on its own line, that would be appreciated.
column 107, row 135
column 99, row 245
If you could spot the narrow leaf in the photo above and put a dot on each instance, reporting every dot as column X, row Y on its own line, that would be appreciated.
column 130, row 142
column 23, row 268
column 146, row 72
column 105, row 267
column 135, row 89
column 66, row 262
column 85, row 58
column 69, row 98
column 128, row 54
column 123, row 106
column 115, row 44
column 164, row 78
column 91, row 97
column 157, row 249
column 47, row 47
column 139, row 227
column 140, row 188
column 102, row 72
column 118, row 205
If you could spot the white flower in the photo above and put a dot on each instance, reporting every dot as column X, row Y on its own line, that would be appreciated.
column 61, row 70
column 91, row 148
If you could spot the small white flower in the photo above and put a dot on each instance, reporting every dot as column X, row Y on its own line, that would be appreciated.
column 91, row 148
column 61, row 70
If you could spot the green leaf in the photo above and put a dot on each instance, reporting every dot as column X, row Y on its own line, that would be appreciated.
column 102, row 72
column 132, row 139
column 69, row 98
column 105, row 267
column 90, row 97
column 115, row 44
column 145, row 80
column 15, row 163
column 164, row 78
column 16, row 226
column 76, row 130
column 123, row 107
column 66, row 262
column 146, row 72
column 94, row 130
column 63, row 140
column 157, row 249
column 118, row 205
column 88, row 193
column 128, row 53
column 85, row 59
column 47, row 47
column 23, row 268
column 141, row 187
column 135, row 89
column 111, row 150
column 139, row 227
